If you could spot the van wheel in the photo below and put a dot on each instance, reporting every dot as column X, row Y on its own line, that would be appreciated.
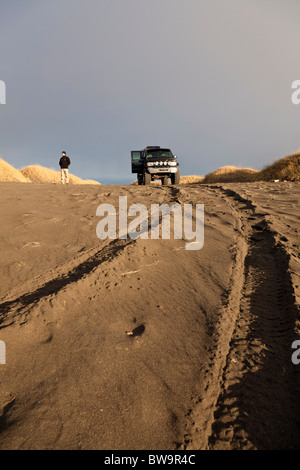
column 175, row 177
column 147, row 179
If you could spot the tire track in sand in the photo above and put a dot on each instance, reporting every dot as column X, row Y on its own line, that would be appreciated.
column 16, row 308
column 251, row 387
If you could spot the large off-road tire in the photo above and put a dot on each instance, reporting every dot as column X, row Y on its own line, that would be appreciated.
column 140, row 179
column 147, row 179
column 164, row 180
column 175, row 177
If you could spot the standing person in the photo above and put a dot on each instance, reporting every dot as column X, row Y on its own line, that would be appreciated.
column 64, row 164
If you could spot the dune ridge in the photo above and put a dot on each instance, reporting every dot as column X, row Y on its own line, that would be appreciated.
column 191, row 179
column 9, row 173
column 40, row 174
column 284, row 169
column 231, row 174
column 36, row 174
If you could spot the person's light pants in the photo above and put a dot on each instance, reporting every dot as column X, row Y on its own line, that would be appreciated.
column 64, row 175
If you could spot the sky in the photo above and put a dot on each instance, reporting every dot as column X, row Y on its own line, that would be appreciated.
column 210, row 79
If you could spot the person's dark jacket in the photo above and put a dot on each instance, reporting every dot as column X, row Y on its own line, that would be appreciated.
column 64, row 162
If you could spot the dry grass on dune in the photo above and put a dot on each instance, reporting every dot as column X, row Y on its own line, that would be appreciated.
column 191, row 179
column 35, row 173
column 231, row 174
column 8, row 173
column 287, row 168
column 40, row 174
column 284, row 169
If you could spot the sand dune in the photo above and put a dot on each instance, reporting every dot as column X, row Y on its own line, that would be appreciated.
column 40, row 174
column 9, row 173
column 230, row 174
column 191, row 179
column 287, row 168
column 36, row 174
column 141, row 344
column 284, row 169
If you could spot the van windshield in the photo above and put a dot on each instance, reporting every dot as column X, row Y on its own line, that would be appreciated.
column 159, row 153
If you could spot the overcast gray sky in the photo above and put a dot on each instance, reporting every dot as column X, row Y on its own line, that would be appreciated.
column 211, row 79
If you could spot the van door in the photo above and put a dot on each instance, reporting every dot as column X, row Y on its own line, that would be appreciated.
column 136, row 161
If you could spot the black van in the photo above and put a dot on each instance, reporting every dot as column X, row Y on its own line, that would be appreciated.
column 155, row 163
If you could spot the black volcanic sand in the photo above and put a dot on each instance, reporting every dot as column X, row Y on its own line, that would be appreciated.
column 142, row 344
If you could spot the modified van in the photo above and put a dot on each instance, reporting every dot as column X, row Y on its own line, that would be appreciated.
column 155, row 163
